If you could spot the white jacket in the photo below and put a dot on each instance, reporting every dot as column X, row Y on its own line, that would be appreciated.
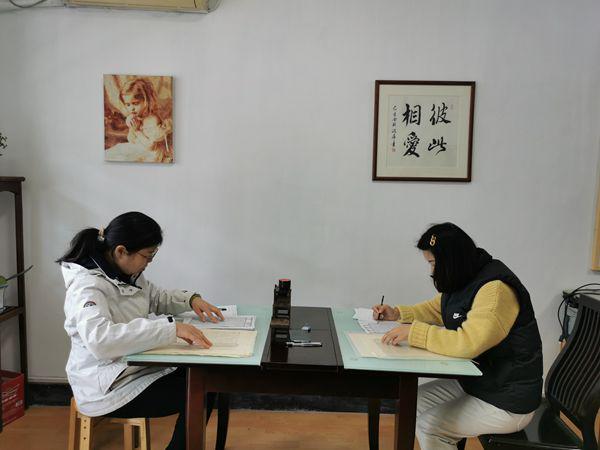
column 107, row 319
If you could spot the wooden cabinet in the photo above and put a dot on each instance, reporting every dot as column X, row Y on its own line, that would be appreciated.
column 13, row 185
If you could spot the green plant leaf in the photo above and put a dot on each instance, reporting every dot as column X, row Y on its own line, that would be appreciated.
column 20, row 273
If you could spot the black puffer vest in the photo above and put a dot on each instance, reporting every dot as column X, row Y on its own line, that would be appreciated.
column 512, row 370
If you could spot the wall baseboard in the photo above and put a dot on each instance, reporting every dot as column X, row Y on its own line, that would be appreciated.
column 49, row 394
column 59, row 394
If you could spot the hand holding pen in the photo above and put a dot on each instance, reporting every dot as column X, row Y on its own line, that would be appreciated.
column 385, row 312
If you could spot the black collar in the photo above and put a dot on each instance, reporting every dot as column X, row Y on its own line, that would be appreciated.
column 482, row 258
column 99, row 261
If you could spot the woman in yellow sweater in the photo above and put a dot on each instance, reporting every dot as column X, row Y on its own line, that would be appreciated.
column 482, row 312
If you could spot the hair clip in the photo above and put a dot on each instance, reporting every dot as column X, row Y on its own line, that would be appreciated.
column 432, row 240
column 101, row 234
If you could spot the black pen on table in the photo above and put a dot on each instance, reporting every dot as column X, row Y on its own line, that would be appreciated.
column 381, row 304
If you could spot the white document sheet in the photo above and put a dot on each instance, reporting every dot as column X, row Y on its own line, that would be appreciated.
column 377, row 327
column 230, row 323
column 232, row 320
column 370, row 346
column 363, row 314
column 229, row 343
column 370, row 325
column 228, row 310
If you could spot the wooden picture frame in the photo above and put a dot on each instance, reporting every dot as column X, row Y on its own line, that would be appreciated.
column 138, row 118
column 596, row 238
column 423, row 130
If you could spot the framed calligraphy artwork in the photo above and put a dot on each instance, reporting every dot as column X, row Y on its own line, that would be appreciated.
column 423, row 130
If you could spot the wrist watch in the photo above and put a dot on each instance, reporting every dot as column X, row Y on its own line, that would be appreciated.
column 193, row 297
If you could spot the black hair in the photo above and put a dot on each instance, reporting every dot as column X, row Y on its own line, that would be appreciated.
column 455, row 256
column 134, row 230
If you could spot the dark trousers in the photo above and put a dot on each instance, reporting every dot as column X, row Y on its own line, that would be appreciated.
column 164, row 397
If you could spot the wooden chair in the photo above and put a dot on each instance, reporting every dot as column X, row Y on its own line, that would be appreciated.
column 136, row 431
column 572, row 388
column 81, row 431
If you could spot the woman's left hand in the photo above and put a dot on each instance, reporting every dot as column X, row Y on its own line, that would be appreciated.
column 396, row 335
column 205, row 310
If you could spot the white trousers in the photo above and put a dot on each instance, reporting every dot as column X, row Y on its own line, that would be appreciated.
column 446, row 414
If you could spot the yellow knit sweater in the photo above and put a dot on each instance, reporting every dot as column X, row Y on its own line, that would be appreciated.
column 492, row 315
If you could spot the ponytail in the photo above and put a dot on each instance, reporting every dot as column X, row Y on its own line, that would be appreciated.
column 84, row 244
column 134, row 230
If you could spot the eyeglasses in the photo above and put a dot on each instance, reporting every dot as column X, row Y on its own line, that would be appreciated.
column 149, row 258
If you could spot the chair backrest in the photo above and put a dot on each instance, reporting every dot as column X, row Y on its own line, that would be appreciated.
column 573, row 382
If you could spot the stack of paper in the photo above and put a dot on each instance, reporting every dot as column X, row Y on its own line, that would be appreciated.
column 229, row 343
column 370, row 346
column 363, row 314
column 370, row 325
column 232, row 320
column 230, row 323
column 377, row 326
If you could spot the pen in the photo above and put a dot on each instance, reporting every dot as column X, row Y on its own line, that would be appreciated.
column 379, row 317
column 304, row 344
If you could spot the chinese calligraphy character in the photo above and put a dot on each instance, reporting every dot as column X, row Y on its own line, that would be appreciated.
column 412, row 115
column 411, row 144
column 439, row 115
column 394, row 123
column 435, row 143
column 2, row 142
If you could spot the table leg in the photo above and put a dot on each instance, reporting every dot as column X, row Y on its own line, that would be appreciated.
column 1, row 420
column 374, row 408
column 406, row 413
column 223, row 422
column 195, row 410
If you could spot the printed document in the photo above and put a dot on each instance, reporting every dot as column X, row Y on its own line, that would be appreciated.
column 232, row 320
column 370, row 325
column 230, row 323
column 377, row 326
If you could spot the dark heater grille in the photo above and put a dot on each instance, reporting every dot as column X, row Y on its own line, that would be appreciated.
column 571, row 387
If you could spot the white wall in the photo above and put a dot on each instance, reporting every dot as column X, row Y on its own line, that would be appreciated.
column 273, row 141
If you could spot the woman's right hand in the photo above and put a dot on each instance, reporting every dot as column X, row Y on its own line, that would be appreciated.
column 385, row 312
column 191, row 335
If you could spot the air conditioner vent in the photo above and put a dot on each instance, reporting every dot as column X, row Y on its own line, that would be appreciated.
column 199, row 6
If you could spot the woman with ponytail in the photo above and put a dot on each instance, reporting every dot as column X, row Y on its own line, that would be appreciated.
column 107, row 307
column 484, row 313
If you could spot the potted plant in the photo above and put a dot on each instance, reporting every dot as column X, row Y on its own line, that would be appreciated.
column 4, row 284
